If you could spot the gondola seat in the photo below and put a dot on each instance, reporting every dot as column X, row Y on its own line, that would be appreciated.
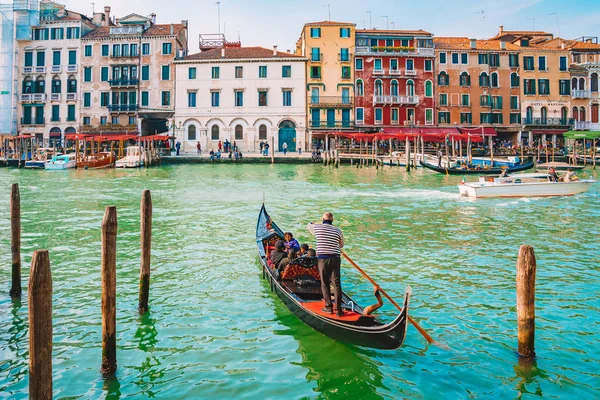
column 302, row 267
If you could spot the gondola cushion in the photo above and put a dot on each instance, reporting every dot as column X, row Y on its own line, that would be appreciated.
column 302, row 266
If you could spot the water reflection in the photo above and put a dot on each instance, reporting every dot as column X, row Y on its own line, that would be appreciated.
column 527, row 371
column 146, row 332
column 112, row 387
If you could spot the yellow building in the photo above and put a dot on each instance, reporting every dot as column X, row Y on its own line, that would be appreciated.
column 329, row 47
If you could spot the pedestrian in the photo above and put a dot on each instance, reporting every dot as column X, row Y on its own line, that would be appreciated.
column 266, row 149
column 234, row 146
column 440, row 155
column 220, row 146
column 199, row 148
column 261, row 145
column 212, row 155
column 330, row 241
column 178, row 147
column 284, row 147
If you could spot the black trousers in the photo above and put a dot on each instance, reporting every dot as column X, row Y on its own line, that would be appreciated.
column 329, row 269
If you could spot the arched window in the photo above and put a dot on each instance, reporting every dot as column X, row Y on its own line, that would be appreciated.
column 515, row 81
column 594, row 82
column 544, row 115
column 262, row 132
column 40, row 84
column 564, row 115
column 214, row 132
column 394, row 88
column 576, row 113
column 192, row 132
column 70, row 130
column 27, row 85
column 574, row 84
column 594, row 112
column 428, row 89
column 410, row 88
column 581, row 83
column 443, row 79
column 529, row 115
column 484, row 80
column 72, row 84
column 56, row 85
column 359, row 87
column 582, row 116
column 495, row 82
column 378, row 88
column 465, row 79
column 239, row 132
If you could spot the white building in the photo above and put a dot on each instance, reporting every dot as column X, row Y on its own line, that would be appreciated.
column 241, row 94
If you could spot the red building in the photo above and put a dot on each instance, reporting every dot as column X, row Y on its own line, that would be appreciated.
column 394, row 72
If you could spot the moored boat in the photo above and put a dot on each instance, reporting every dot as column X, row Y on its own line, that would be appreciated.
column 40, row 158
column 522, row 185
column 96, row 161
column 470, row 170
column 299, row 288
column 61, row 162
column 134, row 158
column 559, row 166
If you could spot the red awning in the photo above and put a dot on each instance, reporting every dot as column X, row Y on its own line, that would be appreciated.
column 486, row 131
column 24, row 137
column 548, row 131
column 164, row 138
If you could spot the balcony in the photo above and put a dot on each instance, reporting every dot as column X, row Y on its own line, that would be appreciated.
column 28, row 70
column 346, row 59
column 330, row 101
column 582, row 125
column 395, row 72
column 117, row 108
column 71, row 96
column 548, row 121
column 316, row 58
column 378, row 72
column 379, row 50
column 55, row 97
column 123, row 82
column 56, row 69
column 33, row 98
column 410, row 72
column 395, row 99
column 40, row 70
column 71, row 68
column 581, row 94
column 330, row 124
column 33, row 122
column 124, row 56
column 126, row 30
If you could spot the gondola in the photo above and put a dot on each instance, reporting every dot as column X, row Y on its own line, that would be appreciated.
column 299, row 287
column 491, row 171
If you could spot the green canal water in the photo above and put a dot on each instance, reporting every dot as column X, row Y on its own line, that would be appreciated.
column 216, row 331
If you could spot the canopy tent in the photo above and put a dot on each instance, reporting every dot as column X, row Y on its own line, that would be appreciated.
column 480, row 131
column 151, row 138
column 99, row 138
column 582, row 135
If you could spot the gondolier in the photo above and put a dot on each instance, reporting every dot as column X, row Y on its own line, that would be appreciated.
column 330, row 241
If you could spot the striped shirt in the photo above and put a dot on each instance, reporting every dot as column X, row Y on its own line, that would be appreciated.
column 330, row 239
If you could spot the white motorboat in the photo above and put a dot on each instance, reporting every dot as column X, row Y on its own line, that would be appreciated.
column 134, row 158
column 61, row 162
column 522, row 185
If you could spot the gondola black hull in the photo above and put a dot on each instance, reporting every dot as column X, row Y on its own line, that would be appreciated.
column 367, row 331
column 489, row 171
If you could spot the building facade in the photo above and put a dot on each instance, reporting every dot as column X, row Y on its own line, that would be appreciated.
column 244, row 95
column 585, row 71
column 128, row 75
column 394, row 83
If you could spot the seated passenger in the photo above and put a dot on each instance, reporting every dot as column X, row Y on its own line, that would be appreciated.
column 553, row 175
column 303, row 249
column 570, row 176
column 290, row 242
column 311, row 253
column 291, row 255
column 278, row 254
column 504, row 174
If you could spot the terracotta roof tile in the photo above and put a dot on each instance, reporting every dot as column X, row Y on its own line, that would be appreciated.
column 233, row 53
column 464, row 43
column 154, row 30
column 521, row 33
column 329, row 23
column 395, row 31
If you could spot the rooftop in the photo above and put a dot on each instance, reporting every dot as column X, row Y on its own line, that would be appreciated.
column 329, row 23
column 235, row 53
column 153, row 30
column 398, row 32
column 464, row 43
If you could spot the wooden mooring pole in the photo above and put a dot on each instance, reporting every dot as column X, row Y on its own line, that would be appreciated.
column 40, row 326
column 146, row 245
column 109, row 291
column 526, row 268
column 15, row 240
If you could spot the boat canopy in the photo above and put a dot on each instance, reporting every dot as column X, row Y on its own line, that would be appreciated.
column 582, row 134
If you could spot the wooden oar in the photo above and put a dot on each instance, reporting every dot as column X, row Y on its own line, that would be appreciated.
column 412, row 321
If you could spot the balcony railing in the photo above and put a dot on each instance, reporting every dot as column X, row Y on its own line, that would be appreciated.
column 345, row 59
column 365, row 50
column 331, row 124
column 410, row 72
column 581, row 125
column 336, row 101
column 395, row 99
column 126, row 30
column 54, row 96
column 27, row 70
column 56, row 69
column 122, row 108
column 71, row 96
column 117, row 56
column 395, row 72
column 581, row 94
column 123, row 82
column 316, row 58
column 33, row 121
column 548, row 121
column 33, row 98
column 379, row 72
column 40, row 70
column 71, row 68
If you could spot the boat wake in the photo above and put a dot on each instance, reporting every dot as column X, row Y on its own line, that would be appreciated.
column 404, row 193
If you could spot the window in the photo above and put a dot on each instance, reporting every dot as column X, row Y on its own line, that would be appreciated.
column 483, row 59
column 114, row 120
column 443, row 99
column 262, row 71
column 444, row 117
column 496, row 102
column 29, row 58
column 485, row 100
column 165, row 98
column 410, row 88
column 377, row 65
column 86, row 120
column 315, row 72
column 563, row 63
column 529, row 86
column 134, row 50
column 465, row 79
column 262, row 98
column 359, row 87
column 394, row 88
column 57, row 33
column 344, row 32
column 239, row 132
column 443, row 79
column 104, row 99
column 515, row 81
column 215, row 73
column 40, row 34
column 145, row 99
column 192, row 99
column 464, row 58
column 167, row 48
column 542, row 63
column 465, row 101
column 496, row 118
column 494, row 60
column 514, row 102
column 71, row 112
column 214, row 132
column 594, row 83
column 73, row 33
column 239, row 72
column 105, row 50
column 485, row 118
column 358, row 64
column 125, row 50
column 428, row 89
column 410, row 64
column 87, row 74
column 378, row 116
column 87, row 99
column 315, row 54
column 394, row 116
column 394, row 64
column 442, row 58
column 544, row 86
column 466, row 118
column 286, row 71
column 87, row 50
column 287, row 98
column 360, row 114
column 145, row 49
column 41, row 58
column 565, row 89
column 55, row 113
column 238, row 96
column 191, row 132
column 165, row 73
column 71, row 85
column 55, row 57
column 454, row 58
column 116, row 50
column 214, row 98
column 262, row 132
column 494, row 77
column 345, row 72
column 528, row 63
column 344, row 54
column 513, row 60
column 484, row 80
column 429, row 116
column 378, row 88
column 515, row 118
column 56, row 85
column 145, row 72
column 428, row 65
column 315, row 32
column 192, row 73
column 524, row 42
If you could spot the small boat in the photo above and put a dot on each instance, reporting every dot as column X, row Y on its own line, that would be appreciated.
column 15, row 162
column 39, row 160
column 299, row 287
column 134, row 158
column 487, row 161
column 559, row 166
column 96, row 161
column 62, row 162
column 476, row 170
column 522, row 185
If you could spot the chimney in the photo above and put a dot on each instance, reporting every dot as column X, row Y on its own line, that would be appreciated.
column 184, row 22
column 501, row 29
column 223, row 52
column 562, row 45
column 153, row 18
column 502, row 45
column 473, row 43
column 172, row 29
column 275, row 51
column 106, row 15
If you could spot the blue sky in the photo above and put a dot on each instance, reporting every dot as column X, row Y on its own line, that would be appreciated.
column 269, row 22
